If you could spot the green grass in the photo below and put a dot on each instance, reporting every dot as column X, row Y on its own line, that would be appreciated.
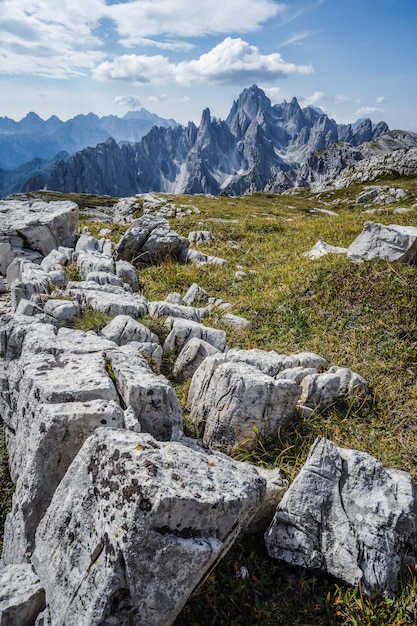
column 359, row 316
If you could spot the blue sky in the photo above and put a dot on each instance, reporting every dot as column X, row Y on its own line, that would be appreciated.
column 352, row 58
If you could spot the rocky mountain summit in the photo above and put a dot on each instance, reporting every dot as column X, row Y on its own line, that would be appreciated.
column 238, row 155
column 117, row 514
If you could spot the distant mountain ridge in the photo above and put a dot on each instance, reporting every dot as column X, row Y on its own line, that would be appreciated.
column 255, row 143
column 32, row 137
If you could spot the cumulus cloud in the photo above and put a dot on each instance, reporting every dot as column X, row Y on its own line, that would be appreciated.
column 233, row 61
column 314, row 99
column 274, row 93
column 368, row 111
column 130, row 101
column 380, row 100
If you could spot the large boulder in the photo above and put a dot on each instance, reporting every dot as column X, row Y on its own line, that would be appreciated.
column 136, row 524
column 231, row 400
column 34, row 226
column 149, row 241
column 348, row 516
column 391, row 243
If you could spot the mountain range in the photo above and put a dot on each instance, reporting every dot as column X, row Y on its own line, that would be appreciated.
column 243, row 153
column 259, row 146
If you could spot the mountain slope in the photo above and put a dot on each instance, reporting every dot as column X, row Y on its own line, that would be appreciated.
column 256, row 143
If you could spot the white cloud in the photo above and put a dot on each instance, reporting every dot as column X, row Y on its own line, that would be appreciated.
column 233, row 61
column 380, row 100
column 296, row 38
column 190, row 18
column 314, row 99
column 130, row 101
column 368, row 111
column 175, row 46
column 274, row 93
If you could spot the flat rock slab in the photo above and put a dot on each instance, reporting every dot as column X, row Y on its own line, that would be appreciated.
column 42, row 225
column 391, row 243
column 347, row 515
column 136, row 524
column 21, row 596
column 111, row 300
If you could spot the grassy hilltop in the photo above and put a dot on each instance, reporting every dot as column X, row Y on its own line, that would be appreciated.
column 357, row 316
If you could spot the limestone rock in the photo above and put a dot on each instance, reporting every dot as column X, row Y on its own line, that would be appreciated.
column 94, row 262
column 321, row 248
column 104, row 278
column 165, row 309
column 155, row 517
column 154, row 400
column 21, row 596
column 108, row 299
column 43, row 226
column 236, row 322
column 200, row 236
column 391, row 243
column 321, row 390
column 272, row 363
column 231, row 399
column 199, row 258
column 149, row 240
column 196, row 296
column 183, row 330
column 123, row 329
column 191, row 356
column 61, row 309
column 348, row 516
column 128, row 274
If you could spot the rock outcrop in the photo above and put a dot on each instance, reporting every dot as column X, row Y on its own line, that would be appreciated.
column 347, row 516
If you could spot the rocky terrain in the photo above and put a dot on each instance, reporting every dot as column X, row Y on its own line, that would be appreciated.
column 118, row 514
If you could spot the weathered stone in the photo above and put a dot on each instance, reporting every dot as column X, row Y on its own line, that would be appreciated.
column 43, row 226
column 123, row 330
column 54, row 260
column 166, row 309
column 191, row 356
column 108, row 299
column 21, row 596
column 154, row 400
column 86, row 243
column 148, row 241
column 272, row 363
column 348, row 516
column 391, row 243
column 321, row 248
column 104, row 278
column 26, row 307
column 321, row 390
column 94, row 262
column 236, row 322
column 198, row 258
column 58, row 278
column 200, row 236
column 174, row 298
column 183, row 330
column 154, row 517
column 231, row 399
column 196, row 296
column 48, row 437
column 128, row 274
column 61, row 309
column 34, row 280
column 296, row 373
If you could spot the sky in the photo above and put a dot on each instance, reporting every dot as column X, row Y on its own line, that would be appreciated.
column 351, row 58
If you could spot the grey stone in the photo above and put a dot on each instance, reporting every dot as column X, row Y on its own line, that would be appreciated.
column 94, row 262
column 200, row 237
column 61, row 309
column 128, row 274
column 150, row 240
column 322, row 390
column 321, row 248
column 54, row 260
column 174, row 298
column 183, row 330
column 108, row 299
column 199, row 258
column 21, row 596
column 391, row 243
column 348, row 516
column 58, row 278
column 232, row 399
column 167, row 309
column 43, row 226
column 87, row 243
column 154, row 400
column 196, row 296
column 123, row 330
column 272, row 363
column 191, row 356
column 104, row 278
column 235, row 321
column 26, row 307
column 155, row 517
